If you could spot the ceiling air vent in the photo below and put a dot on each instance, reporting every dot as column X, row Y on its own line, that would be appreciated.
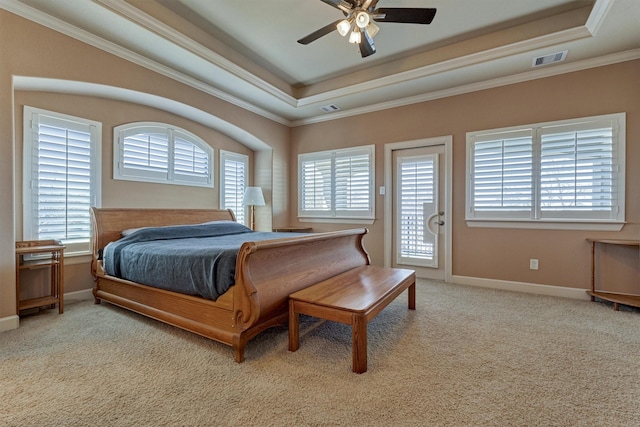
column 549, row 59
column 329, row 108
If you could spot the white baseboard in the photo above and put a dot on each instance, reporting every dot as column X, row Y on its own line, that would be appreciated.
column 530, row 288
column 83, row 295
column 12, row 322
column 8, row 323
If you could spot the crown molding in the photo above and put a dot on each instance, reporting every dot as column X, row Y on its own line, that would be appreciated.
column 452, row 64
column 615, row 58
column 597, row 15
column 62, row 27
column 134, row 14
column 599, row 11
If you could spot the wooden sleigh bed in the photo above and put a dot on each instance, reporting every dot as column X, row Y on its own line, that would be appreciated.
column 266, row 273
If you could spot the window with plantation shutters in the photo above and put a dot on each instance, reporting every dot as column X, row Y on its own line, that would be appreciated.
column 336, row 184
column 156, row 152
column 61, row 177
column 563, row 172
column 234, row 178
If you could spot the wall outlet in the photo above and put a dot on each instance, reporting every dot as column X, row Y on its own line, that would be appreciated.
column 533, row 264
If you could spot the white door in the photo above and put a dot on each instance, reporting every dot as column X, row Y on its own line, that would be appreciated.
column 418, row 210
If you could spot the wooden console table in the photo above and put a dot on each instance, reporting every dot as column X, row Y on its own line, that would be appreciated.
column 615, row 298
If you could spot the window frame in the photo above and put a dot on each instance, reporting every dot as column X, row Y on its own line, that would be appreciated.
column 614, row 220
column 240, row 158
column 333, row 214
column 32, row 114
column 171, row 175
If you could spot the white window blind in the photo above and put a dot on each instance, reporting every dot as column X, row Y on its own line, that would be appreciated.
column 234, row 178
column 577, row 170
column 502, row 173
column 416, row 189
column 353, row 177
column 316, row 184
column 156, row 152
column 61, row 177
column 337, row 183
column 569, row 171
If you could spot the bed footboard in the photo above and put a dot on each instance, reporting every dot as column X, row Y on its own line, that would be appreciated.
column 268, row 272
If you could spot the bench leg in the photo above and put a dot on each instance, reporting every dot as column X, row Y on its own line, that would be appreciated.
column 359, row 343
column 294, row 327
column 412, row 296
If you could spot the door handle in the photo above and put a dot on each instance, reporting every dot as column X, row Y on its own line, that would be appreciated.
column 428, row 223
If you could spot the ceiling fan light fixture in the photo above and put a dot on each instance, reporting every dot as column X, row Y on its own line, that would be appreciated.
column 343, row 27
column 362, row 19
column 355, row 37
column 372, row 29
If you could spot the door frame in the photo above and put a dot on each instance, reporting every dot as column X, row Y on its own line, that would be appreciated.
column 446, row 189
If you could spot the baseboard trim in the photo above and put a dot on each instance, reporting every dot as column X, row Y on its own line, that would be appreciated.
column 9, row 323
column 13, row 322
column 530, row 288
column 83, row 295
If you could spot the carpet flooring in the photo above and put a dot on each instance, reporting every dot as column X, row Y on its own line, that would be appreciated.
column 466, row 357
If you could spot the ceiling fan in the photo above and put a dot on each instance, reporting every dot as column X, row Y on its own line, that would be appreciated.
column 358, row 22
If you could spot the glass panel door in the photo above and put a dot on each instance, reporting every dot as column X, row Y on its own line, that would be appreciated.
column 418, row 215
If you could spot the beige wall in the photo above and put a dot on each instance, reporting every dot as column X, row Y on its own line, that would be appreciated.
column 31, row 50
column 499, row 253
column 7, row 260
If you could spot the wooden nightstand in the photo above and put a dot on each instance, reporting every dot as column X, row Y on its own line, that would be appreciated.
column 294, row 229
column 35, row 254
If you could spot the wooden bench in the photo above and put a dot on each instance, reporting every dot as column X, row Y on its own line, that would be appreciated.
column 354, row 298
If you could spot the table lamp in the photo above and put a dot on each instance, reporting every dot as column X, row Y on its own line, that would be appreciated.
column 253, row 197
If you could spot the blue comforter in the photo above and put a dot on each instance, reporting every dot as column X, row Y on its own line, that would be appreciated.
column 191, row 259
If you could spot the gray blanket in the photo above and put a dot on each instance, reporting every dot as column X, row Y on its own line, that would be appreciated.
column 191, row 259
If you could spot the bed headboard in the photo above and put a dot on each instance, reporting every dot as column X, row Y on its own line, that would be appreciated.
column 107, row 224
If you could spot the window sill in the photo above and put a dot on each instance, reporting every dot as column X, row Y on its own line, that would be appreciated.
column 82, row 257
column 547, row 225
column 365, row 221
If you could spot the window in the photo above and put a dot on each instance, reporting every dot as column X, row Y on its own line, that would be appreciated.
column 61, row 177
column 156, row 152
column 336, row 184
column 569, row 171
column 234, row 177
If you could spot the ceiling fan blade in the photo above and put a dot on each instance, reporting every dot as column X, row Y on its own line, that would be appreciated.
column 408, row 15
column 367, row 47
column 319, row 33
column 343, row 5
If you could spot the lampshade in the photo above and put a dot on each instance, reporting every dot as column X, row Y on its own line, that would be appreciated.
column 372, row 29
column 343, row 27
column 253, row 197
column 355, row 36
column 362, row 19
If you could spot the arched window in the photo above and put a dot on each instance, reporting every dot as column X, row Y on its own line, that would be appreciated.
column 157, row 152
